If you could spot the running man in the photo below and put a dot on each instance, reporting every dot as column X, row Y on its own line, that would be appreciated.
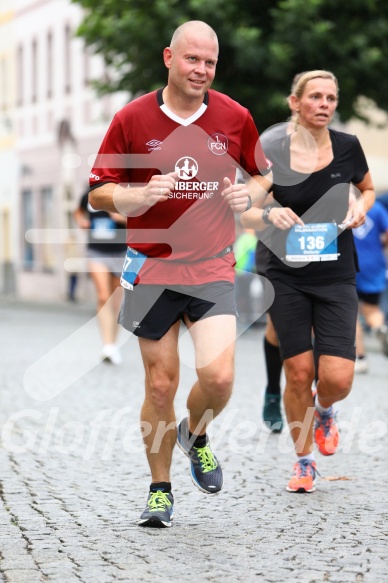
column 189, row 140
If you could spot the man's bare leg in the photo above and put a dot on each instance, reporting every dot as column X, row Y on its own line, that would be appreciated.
column 161, row 364
column 214, row 342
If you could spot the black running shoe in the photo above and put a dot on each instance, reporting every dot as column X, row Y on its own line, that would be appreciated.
column 272, row 415
column 206, row 472
column 159, row 510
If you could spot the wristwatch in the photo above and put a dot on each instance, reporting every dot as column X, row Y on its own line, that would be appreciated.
column 265, row 214
column 249, row 204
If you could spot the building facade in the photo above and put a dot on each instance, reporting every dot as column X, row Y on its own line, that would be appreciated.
column 59, row 122
column 8, row 158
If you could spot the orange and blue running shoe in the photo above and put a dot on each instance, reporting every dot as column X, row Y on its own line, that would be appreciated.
column 303, row 479
column 326, row 432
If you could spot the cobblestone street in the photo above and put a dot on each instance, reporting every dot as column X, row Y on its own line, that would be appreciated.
column 74, row 476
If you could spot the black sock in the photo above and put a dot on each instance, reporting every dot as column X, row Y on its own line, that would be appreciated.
column 163, row 486
column 274, row 365
column 200, row 440
column 316, row 361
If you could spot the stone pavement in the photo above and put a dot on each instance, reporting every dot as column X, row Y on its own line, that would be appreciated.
column 74, row 479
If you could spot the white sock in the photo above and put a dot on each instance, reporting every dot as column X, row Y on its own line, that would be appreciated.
column 310, row 457
column 319, row 407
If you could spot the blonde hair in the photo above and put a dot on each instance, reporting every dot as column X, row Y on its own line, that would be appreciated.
column 295, row 81
column 293, row 85
column 300, row 81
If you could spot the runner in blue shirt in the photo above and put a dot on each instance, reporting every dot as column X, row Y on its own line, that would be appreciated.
column 370, row 239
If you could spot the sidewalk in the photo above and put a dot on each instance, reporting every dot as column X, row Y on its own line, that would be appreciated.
column 74, row 476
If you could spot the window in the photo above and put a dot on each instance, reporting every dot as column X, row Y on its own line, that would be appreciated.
column 86, row 66
column 67, row 59
column 49, row 65
column 20, row 76
column 27, row 223
column 47, row 222
column 34, row 71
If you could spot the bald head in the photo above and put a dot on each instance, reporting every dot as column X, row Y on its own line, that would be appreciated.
column 191, row 60
column 192, row 27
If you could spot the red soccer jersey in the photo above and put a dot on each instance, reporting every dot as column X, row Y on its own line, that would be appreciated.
column 195, row 223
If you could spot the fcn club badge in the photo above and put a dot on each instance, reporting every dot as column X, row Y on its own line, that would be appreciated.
column 218, row 144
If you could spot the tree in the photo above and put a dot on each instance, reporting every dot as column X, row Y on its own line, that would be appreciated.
column 263, row 44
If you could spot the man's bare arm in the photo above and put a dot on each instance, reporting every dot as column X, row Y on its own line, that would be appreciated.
column 127, row 201
column 241, row 196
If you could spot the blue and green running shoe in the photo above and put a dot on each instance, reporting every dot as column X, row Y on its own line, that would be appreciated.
column 159, row 510
column 206, row 471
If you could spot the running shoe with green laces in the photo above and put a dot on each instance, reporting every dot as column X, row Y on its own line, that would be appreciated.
column 159, row 510
column 206, row 472
column 303, row 478
column 272, row 415
column 326, row 432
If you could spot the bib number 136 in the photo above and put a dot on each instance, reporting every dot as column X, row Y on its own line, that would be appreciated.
column 312, row 242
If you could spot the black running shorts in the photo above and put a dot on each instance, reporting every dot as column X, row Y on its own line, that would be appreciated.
column 329, row 310
column 372, row 299
column 149, row 311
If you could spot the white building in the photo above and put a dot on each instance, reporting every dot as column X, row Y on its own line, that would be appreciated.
column 8, row 159
column 59, row 124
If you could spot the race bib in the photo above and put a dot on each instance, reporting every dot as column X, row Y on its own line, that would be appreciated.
column 312, row 242
column 103, row 228
column 133, row 262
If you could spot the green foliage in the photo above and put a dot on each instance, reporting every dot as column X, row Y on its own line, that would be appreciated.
column 263, row 44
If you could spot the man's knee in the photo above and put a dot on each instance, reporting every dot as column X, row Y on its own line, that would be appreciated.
column 299, row 377
column 336, row 384
column 219, row 384
column 161, row 391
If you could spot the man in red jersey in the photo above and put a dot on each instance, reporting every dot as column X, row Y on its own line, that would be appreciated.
column 168, row 162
